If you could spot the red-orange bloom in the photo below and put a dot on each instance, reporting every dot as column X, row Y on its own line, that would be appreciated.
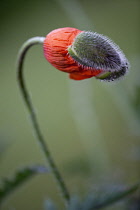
column 56, row 46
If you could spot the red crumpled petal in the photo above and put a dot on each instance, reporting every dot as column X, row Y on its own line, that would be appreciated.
column 84, row 75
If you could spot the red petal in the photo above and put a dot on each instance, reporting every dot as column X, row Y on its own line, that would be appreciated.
column 77, row 76
column 84, row 75
column 55, row 48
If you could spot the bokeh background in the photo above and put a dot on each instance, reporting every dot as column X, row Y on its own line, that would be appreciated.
column 92, row 128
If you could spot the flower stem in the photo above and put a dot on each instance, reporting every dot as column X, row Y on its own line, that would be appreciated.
column 34, row 121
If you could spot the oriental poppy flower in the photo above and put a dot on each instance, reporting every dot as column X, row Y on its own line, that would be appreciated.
column 84, row 54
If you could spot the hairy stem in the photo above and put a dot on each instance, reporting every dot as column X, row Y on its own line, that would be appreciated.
column 34, row 121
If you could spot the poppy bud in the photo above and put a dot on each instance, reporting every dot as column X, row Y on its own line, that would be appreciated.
column 84, row 54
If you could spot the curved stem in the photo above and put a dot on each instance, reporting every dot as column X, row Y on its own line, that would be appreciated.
column 28, row 102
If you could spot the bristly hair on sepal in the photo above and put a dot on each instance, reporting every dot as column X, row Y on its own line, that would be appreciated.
column 98, row 52
column 113, row 76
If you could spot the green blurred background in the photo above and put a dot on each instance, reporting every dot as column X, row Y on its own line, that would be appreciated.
column 92, row 128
